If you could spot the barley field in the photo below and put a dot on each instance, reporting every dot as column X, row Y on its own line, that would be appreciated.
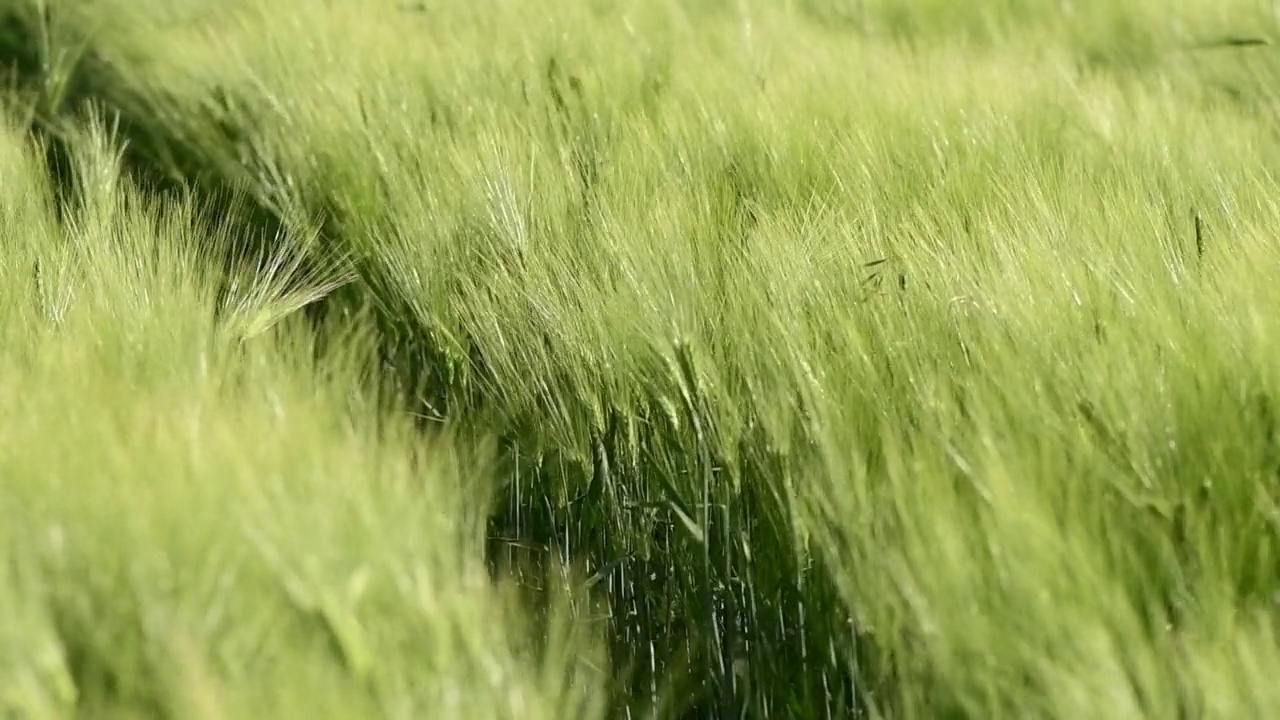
column 673, row 359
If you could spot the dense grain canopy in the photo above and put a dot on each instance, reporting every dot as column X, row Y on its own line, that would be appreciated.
column 606, row 358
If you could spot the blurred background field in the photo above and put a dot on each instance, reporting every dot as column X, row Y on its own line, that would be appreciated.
column 606, row 358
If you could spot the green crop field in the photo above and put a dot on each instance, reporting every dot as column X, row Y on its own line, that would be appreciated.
column 640, row 359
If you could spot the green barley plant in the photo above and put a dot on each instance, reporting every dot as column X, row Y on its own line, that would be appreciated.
column 205, row 524
column 881, row 358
